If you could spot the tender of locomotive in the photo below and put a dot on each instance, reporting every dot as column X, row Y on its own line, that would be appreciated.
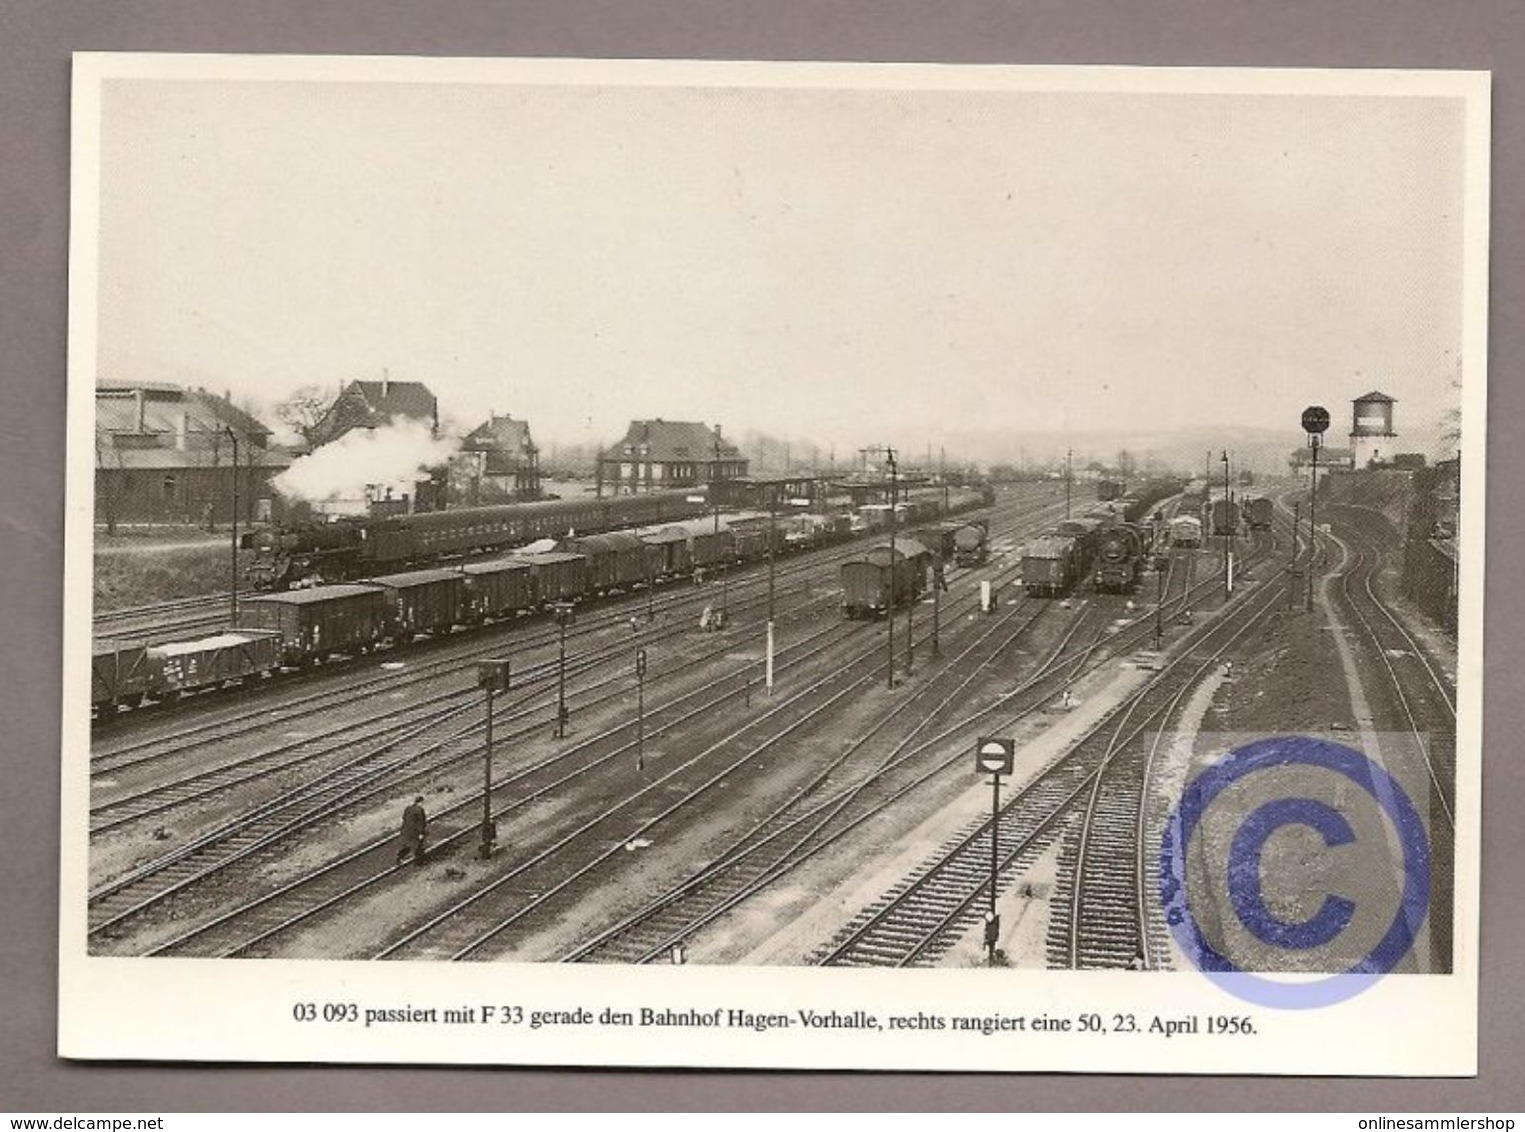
column 971, row 544
column 1224, row 517
column 1119, row 559
column 1186, row 532
column 1050, row 565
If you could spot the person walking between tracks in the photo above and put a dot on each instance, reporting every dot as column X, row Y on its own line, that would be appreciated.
column 414, row 823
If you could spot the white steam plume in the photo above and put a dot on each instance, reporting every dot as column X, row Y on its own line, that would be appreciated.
column 394, row 457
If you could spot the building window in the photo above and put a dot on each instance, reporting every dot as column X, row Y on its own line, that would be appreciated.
column 168, row 488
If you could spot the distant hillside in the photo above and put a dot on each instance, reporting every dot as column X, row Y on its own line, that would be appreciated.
column 1262, row 450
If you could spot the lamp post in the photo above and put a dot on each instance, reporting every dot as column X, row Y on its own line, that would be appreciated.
column 565, row 613
column 725, row 576
column 492, row 677
column 233, row 550
column 937, row 584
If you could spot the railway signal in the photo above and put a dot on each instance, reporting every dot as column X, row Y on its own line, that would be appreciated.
column 566, row 614
column 640, row 709
column 1315, row 423
column 492, row 677
column 995, row 757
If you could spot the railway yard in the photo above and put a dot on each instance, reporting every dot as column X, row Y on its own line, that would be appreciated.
column 689, row 811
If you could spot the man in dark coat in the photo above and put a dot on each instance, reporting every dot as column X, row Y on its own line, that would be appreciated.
column 414, row 822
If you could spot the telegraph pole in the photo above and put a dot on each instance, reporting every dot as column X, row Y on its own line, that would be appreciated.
column 1228, row 534
column 233, row 552
column 772, row 540
column 1068, row 475
column 889, row 461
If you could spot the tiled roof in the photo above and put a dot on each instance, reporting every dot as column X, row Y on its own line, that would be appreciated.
column 373, row 404
column 174, row 428
column 667, row 441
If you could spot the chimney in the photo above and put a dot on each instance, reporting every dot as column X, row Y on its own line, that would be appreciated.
column 182, row 428
column 138, row 400
column 386, row 382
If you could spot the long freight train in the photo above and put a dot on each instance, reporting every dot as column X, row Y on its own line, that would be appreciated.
column 296, row 628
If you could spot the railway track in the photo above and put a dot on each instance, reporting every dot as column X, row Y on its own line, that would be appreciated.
column 817, row 818
column 514, row 787
column 946, row 894
column 256, row 923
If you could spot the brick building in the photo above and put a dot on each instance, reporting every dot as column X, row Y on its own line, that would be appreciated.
column 374, row 404
column 497, row 460
column 164, row 454
column 658, row 455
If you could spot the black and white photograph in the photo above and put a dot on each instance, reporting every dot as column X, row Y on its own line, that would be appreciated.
column 774, row 565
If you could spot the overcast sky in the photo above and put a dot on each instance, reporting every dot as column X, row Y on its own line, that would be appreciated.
column 849, row 266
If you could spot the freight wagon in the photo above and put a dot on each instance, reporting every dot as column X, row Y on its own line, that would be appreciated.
column 669, row 551
column 556, row 575
column 118, row 674
column 615, row 561
column 501, row 588
column 317, row 623
column 1258, row 512
column 884, row 580
column 423, row 601
column 212, row 662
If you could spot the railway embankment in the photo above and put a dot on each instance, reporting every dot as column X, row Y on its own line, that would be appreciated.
column 135, row 572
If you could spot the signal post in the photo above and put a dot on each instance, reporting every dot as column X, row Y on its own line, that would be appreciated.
column 995, row 757
column 1315, row 424
column 492, row 677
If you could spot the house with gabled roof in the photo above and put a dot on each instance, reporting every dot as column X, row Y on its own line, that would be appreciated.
column 376, row 404
column 660, row 455
column 165, row 454
column 497, row 459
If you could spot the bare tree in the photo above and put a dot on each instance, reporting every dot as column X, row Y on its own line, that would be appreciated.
column 305, row 409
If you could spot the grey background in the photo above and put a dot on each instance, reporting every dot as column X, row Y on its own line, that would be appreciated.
column 36, row 39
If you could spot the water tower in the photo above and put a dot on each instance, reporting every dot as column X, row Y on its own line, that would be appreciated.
column 1372, row 439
